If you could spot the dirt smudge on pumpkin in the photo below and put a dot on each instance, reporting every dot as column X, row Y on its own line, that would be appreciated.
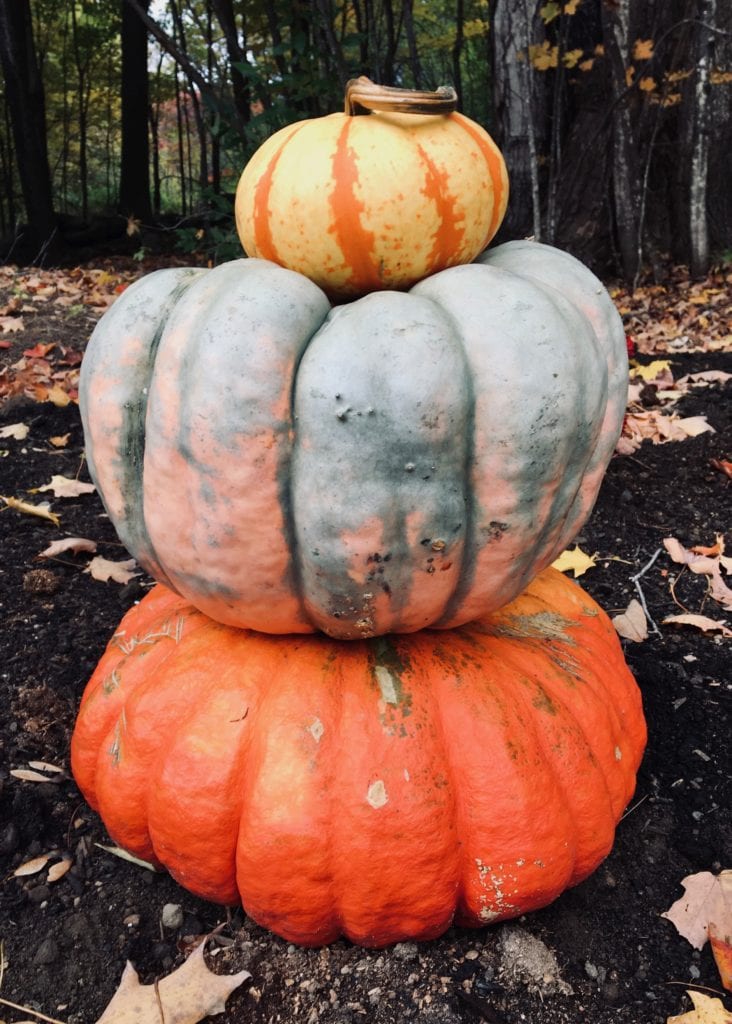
column 541, row 626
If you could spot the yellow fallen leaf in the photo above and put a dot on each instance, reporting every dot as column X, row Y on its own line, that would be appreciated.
column 186, row 996
column 653, row 370
column 577, row 560
column 60, row 440
column 647, row 84
column 706, row 1011
column 42, row 511
column 58, row 396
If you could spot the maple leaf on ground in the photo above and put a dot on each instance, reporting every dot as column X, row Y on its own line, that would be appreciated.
column 65, row 487
column 11, row 324
column 706, row 897
column 103, row 570
column 577, row 560
column 707, row 561
column 706, row 1011
column 186, row 996
column 632, row 624
column 723, row 466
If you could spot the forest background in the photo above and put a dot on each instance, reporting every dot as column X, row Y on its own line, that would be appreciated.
column 133, row 119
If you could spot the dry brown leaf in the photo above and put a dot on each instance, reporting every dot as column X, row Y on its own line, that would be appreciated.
column 74, row 544
column 186, row 996
column 707, row 625
column 632, row 624
column 29, row 776
column 706, row 897
column 59, row 869
column 723, row 466
column 104, row 570
column 695, row 425
column 706, row 1011
column 11, row 324
column 18, row 431
column 41, row 511
column 32, row 867
column 45, row 766
column 577, row 560
column 117, row 851
column 65, row 487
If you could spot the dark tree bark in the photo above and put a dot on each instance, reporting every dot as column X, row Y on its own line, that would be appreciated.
column 518, row 114
column 626, row 194
column 414, row 62
column 457, row 50
column 134, row 185
column 25, row 99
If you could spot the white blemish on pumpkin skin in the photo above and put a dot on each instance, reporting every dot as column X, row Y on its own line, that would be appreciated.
column 387, row 684
column 316, row 729
column 377, row 795
column 406, row 775
column 618, row 754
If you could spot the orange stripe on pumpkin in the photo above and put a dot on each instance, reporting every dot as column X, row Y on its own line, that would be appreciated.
column 494, row 160
column 449, row 237
column 261, row 214
column 355, row 242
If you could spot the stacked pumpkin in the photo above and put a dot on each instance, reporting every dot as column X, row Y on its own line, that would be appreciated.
column 396, row 472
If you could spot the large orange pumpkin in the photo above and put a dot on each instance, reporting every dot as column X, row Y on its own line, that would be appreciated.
column 405, row 460
column 360, row 203
column 377, row 789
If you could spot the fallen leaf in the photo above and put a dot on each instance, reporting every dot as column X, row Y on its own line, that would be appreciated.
column 74, row 544
column 28, row 776
column 577, row 560
column 19, row 431
column 699, row 622
column 695, row 425
column 104, row 570
column 657, row 368
column 42, row 511
column 45, row 766
column 60, row 440
column 11, row 324
column 58, row 396
column 32, row 867
column 65, row 487
column 631, row 624
column 39, row 351
column 704, row 896
column 186, row 996
column 117, row 851
column 706, row 1011
column 642, row 49
column 723, row 466
column 59, row 869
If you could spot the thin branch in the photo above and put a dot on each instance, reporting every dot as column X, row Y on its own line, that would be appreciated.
column 635, row 580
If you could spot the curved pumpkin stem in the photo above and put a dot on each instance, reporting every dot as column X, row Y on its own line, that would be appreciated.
column 363, row 96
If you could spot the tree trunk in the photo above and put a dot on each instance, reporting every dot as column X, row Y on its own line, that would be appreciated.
column 457, row 50
column 25, row 99
column 414, row 63
column 615, row 26
column 134, row 183
column 516, row 114
column 698, row 225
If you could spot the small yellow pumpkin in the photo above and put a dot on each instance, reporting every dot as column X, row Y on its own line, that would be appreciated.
column 363, row 203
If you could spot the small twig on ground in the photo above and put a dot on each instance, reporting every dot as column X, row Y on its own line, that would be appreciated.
column 702, row 988
column 160, row 1002
column 27, row 1009
column 635, row 807
column 672, row 588
column 635, row 580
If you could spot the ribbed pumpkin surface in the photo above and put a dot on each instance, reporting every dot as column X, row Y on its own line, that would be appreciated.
column 376, row 789
column 403, row 461
column 359, row 204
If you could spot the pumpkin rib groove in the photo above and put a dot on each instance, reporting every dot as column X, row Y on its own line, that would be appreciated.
column 576, row 798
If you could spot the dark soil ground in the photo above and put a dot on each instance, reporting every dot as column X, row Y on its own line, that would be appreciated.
column 65, row 942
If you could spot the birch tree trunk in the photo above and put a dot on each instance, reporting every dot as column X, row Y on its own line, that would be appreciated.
column 698, row 225
column 615, row 27
column 516, row 112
